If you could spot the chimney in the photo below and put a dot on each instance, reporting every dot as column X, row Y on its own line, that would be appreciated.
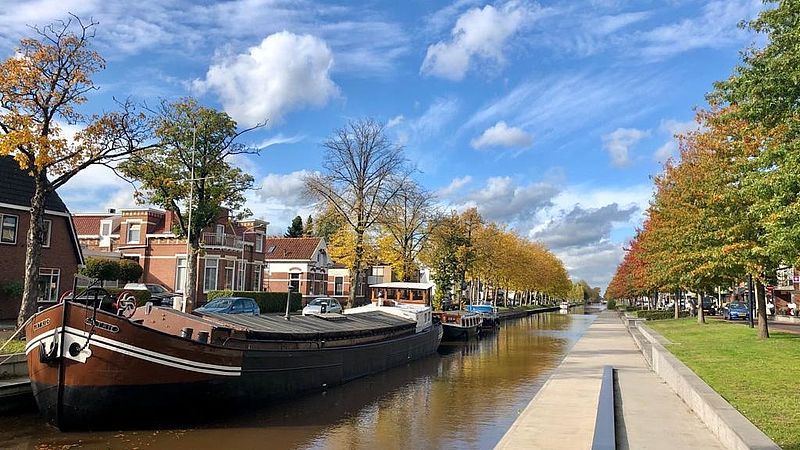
column 168, row 217
column 111, row 210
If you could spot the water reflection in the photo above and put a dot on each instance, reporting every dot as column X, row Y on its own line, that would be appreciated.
column 465, row 397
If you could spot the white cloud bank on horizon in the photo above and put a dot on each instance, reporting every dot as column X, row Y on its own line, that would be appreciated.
column 284, row 72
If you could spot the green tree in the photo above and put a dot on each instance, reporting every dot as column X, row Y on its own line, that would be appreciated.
column 129, row 271
column 295, row 229
column 103, row 269
column 405, row 229
column 308, row 229
column 191, row 166
column 41, row 88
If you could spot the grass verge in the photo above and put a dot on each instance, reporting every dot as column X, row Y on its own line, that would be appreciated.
column 759, row 378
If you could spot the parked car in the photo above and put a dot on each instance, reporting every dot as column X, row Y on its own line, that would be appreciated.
column 709, row 307
column 231, row 305
column 322, row 305
column 159, row 295
column 735, row 311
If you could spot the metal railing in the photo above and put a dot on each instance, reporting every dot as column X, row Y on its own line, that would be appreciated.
column 222, row 240
column 605, row 437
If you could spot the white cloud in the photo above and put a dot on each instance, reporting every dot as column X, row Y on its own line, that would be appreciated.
column 95, row 186
column 501, row 135
column 454, row 187
column 478, row 33
column 619, row 142
column 504, row 201
column 395, row 121
column 280, row 139
column 279, row 198
column 284, row 72
column 583, row 226
column 670, row 148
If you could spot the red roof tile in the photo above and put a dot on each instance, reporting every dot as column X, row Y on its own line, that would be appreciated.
column 290, row 248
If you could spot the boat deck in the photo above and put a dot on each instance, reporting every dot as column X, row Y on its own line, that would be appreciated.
column 314, row 328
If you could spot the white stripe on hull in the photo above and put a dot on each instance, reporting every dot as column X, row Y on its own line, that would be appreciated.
column 141, row 353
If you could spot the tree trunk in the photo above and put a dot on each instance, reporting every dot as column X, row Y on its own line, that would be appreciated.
column 33, row 252
column 190, row 291
column 761, row 311
column 701, row 318
column 677, row 303
column 356, row 268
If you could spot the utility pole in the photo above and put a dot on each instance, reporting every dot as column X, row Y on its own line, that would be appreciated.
column 186, row 288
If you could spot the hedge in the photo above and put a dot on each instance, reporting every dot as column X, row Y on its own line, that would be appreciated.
column 659, row 315
column 269, row 302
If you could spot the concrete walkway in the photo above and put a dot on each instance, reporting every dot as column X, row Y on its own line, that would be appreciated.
column 649, row 414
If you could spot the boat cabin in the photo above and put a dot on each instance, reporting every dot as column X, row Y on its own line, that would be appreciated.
column 401, row 293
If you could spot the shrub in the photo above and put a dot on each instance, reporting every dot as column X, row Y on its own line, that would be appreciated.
column 129, row 270
column 659, row 315
column 101, row 269
column 612, row 304
column 269, row 302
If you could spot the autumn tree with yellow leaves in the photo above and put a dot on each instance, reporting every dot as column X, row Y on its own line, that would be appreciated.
column 42, row 88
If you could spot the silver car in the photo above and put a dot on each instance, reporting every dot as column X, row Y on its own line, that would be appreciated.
column 322, row 305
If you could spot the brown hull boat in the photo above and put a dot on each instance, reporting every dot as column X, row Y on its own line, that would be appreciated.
column 107, row 371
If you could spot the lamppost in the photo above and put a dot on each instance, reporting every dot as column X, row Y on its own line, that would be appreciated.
column 288, row 300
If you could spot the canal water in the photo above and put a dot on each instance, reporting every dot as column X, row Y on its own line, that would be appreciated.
column 465, row 397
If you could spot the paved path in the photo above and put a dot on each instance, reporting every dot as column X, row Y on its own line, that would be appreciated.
column 562, row 414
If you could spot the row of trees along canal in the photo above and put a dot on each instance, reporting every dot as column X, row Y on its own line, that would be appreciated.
column 178, row 155
column 729, row 207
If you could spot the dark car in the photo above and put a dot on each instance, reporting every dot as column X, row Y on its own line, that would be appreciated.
column 231, row 305
column 735, row 311
column 709, row 307
column 159, row 295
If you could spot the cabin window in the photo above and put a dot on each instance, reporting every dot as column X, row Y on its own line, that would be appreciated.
column 338, row 286
column 403, row 294
column 417, row 295
column 134, row 233
column 210, row 274
column 180, row 273
column 47, row 226
column 8, row 232
column 48, row 284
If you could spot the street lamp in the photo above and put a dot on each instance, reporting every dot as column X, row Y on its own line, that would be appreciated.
column 288, row 300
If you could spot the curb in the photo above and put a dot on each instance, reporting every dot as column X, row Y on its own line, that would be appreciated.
column 733, row 429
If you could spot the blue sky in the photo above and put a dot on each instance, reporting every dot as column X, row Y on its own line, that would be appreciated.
column 550, row 117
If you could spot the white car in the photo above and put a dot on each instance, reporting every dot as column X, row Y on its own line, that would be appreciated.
column 322, row 305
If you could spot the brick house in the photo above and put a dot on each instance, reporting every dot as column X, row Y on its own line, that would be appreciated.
column 233, row 251
column 61, row 253
column 302, row 261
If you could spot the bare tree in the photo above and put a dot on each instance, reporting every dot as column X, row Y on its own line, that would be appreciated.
column 363, row 172
column 406, row 224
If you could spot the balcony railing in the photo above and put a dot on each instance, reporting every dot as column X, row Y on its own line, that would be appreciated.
column 222, row 240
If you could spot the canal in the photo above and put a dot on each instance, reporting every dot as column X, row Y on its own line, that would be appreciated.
column 467, row 396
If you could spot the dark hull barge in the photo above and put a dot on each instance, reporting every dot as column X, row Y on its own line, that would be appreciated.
column 91, row 369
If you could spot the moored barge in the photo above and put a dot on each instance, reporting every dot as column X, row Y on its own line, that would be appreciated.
column 91, row 369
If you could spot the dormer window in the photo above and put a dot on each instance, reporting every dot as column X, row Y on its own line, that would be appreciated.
column 134, row 233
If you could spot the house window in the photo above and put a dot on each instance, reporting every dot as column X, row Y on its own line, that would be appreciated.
column 258, row 269
column 259, row 243
column 240, row 276
column 338, row 286
column 105, row 228
column 228, row 276
column 377, row 271
column 8, row 229
column 134, row 230
column 180, row 273
column 47, row 226
column 210, row 274
column 48, row 284
column 294, row 281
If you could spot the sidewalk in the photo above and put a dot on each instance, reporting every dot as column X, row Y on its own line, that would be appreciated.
column 562, row 414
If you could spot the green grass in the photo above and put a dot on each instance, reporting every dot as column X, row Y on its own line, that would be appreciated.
column 759, row 378
column 16, row 346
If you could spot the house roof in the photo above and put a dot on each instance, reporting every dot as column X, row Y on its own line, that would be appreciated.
column 301, row 248
column 89, row 224
column 17, row 187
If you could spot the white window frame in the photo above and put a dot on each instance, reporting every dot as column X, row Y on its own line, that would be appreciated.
column 259, row 243
column 241, row 274
column 110, row 225
column 3, row 226
column 47, row 226
column 128, row 234
column 180, row 282
column 338, row 281
column 258, row 275
column 295, row 276
column 206, row 279
column 229, row 268
column 52, row 293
